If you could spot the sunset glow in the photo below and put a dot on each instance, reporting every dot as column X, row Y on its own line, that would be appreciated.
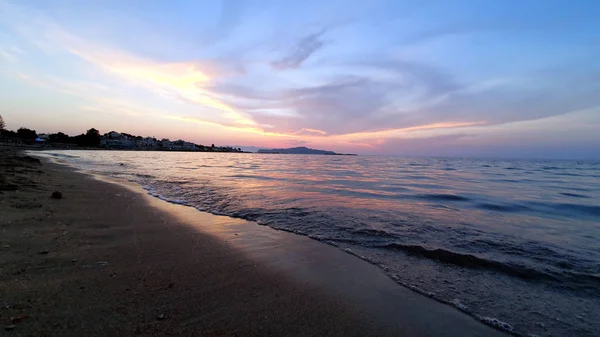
column 263, row 75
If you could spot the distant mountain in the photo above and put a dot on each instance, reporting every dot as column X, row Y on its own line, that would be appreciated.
column 297, row 150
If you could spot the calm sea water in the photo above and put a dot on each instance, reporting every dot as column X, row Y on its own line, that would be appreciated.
column 515, row 243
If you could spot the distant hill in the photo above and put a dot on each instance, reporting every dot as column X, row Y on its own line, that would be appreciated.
column 297, row 150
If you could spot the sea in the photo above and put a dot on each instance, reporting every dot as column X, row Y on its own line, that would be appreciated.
column 514, row 243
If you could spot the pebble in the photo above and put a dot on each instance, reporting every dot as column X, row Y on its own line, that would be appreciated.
column 57, row 195
column 43, row 252
column 10, row 327
column 160, row 317
column 102, row 263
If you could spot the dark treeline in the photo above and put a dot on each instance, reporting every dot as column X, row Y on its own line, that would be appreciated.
column 93, row 139
column 90, row 138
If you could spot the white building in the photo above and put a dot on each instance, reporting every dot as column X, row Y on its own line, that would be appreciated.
column 147, row 142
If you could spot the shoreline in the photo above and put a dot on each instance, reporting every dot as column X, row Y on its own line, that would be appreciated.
column 149, row 267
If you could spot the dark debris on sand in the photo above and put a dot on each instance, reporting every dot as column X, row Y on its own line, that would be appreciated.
column 16, row 170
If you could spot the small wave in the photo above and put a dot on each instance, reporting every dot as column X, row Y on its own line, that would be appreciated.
column 469, row 261
column 570, row 174
column 502, row 208
column 62, row 155
column 139, row 175
column 513, row 180
column 587, row 209
column 248, row 176
column 418, row 177
column 373, row 232
column 568, row 209
column 580, row 189
column 391, row 188
column 172, row 182
column 443, row 197
column 574, row 195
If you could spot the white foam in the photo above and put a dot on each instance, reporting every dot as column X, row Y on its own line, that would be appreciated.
column 459, row 305
column 496, row 323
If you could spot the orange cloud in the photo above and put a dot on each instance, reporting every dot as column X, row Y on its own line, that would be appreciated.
column 321, row 132
column 184, row 79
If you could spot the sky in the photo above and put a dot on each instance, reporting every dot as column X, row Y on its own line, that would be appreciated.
column 417, row 78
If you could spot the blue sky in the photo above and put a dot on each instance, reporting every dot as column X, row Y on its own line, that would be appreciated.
column 461, row 78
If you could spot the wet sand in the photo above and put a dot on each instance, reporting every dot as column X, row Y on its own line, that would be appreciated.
column 109, row 260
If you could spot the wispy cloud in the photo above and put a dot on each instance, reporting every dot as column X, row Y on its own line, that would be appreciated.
column 307, row 46
column 11, row 53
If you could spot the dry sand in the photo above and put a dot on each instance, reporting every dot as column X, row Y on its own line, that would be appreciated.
column 108, row 260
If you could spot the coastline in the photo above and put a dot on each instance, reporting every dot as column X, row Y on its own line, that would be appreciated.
column 108, row 259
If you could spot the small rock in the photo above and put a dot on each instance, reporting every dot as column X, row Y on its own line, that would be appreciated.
column 73, row 260
column 10, row 327
column 101, row 263
column 43, row 252
column 160, row 317
column 57, row 195
column 6, row 246
column 19, row 319
column 171, row 285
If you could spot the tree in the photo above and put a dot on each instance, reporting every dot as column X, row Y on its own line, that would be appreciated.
column 27, row 134
column 80, row 140
column 2, row 124
column 92, row 137
column 59, row 138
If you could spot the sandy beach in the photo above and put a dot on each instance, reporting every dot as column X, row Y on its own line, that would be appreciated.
column 108, row 260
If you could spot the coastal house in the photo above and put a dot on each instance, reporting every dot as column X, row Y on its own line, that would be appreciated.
column 146, row 143
column 117, row 143
column 182, row 145
column 115, row 136
column 114, row 139
column 166, row 144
